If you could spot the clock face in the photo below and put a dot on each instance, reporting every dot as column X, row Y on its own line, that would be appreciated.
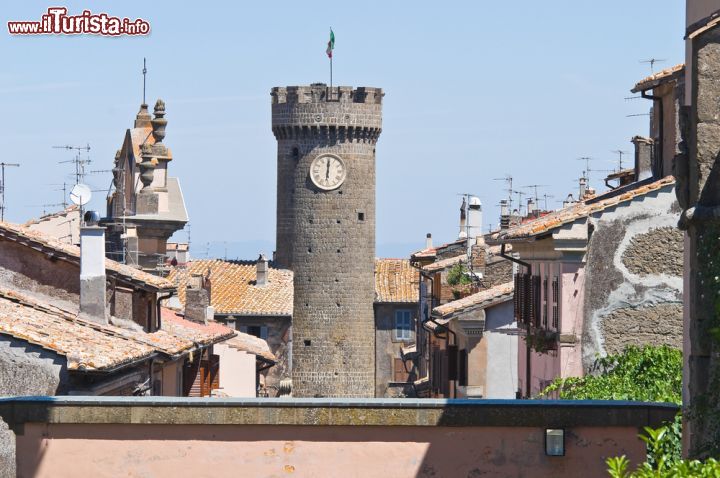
column 327, row 171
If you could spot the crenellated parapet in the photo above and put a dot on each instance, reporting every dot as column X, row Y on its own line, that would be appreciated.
column 338, row 114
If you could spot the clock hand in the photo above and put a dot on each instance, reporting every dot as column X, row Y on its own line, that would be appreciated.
column 327, row 171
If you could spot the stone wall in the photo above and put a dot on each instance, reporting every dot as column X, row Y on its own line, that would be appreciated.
column 387, row 349
column 633, row 289
column 26, row 369
column 327, row 238
column 160, row 436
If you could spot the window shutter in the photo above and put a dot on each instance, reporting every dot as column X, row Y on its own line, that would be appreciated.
column 556, row 297
column 452, row 357
column 214, row 372
column 463, row 368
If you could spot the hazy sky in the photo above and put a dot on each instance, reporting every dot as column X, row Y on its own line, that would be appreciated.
column 473, row 91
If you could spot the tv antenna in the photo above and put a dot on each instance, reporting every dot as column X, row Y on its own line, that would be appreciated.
column 77, row 160
column 535, row 187
column 520, row 203
column 2, row 187
column 652, row 62
column 144, row 71
column 545, row 197
column 508, row 180
column 620, row 157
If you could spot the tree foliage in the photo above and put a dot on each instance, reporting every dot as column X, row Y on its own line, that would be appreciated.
column 457, row 275
column 650, row 374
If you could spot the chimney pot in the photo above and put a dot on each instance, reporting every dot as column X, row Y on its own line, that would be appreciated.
column 92, row 274
column 428, row 241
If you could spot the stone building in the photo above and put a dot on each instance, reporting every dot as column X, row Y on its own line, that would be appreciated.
column 251, row 297
column 450, row 356
column 53, row 340
column 396, row 307
column 326, row 232
column 146, row 205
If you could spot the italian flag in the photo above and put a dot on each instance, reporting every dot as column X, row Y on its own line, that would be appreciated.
column 331, row 44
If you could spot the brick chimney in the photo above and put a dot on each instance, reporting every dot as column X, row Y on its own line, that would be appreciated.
column 197, row 300
column 262, row 271
column 643, row 157
column 92, row 274
column 504, row 214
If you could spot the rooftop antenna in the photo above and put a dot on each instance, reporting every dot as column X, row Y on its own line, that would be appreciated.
column 508, row 180
column 144, row 75
column 637, row 114
column 620, row 156
column 652, row 62
column 536, row 186
column 2, row 187
column 79, row 162
column 545, row 197
column 520, row 203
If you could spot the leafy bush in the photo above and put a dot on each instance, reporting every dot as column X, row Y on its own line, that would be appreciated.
column 650, row 374
column 457, row 275
column 662, row 463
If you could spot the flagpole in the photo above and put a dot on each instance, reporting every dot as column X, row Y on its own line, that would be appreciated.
column 331, row 58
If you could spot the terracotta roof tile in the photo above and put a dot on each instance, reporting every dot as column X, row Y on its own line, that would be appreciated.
column 23, row 235
column 251, row 344
column 484, row 298
column 203, row 334
column 233, row 289
column 656, row 79
column 53, row 215
column 580, row 210
column 396, row 281
column 445, row 263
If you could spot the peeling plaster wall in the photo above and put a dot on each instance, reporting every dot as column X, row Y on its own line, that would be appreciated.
column 636, row 297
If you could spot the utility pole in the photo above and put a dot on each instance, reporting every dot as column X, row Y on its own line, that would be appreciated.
column 2, row 188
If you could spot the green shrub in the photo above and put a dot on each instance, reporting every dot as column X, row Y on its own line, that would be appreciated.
column 457, row 275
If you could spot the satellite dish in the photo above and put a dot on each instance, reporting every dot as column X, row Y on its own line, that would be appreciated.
column 80, row 194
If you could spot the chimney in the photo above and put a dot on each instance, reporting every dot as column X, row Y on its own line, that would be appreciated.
column 583, row 187
column 262, row 271
column 474, row 220
column 643, row 157
column 197, row 299
column 463, row 229
column 531, row 208
column 569, row 200
column 428, row 241
column 92, row 274
column 504, row 214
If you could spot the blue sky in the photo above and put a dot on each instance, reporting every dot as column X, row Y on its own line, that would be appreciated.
column 474, row 91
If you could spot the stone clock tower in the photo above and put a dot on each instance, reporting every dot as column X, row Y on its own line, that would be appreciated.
column 326, row 232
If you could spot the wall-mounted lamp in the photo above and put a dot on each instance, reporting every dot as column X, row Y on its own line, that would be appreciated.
column 555, row 442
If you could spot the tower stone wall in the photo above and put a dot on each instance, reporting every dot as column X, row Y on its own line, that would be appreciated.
column 327, row 237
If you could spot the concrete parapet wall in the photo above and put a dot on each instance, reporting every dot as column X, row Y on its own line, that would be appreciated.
column 83, row 436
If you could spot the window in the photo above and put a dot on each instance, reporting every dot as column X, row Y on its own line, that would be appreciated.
column 403, row 325
column 555, row 294
column 260, row 331
column 545, row 303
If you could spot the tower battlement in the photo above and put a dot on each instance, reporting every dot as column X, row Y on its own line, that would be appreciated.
column 320, row 93
column 309, row 110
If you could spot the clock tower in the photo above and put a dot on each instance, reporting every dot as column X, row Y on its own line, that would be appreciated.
column 326, row 232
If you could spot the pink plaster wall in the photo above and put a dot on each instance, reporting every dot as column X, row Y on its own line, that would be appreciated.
column 62, row 450
column 567, row 360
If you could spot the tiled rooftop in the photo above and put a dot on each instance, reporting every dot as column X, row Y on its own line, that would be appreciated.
column 53, row 215
column 233, row 289
column 445, row 263
column 39, row 241
column 91, row 346
column 251, row 344
column 580, row 210
column 658, row 78
column 396, row 281
column 484, row 298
